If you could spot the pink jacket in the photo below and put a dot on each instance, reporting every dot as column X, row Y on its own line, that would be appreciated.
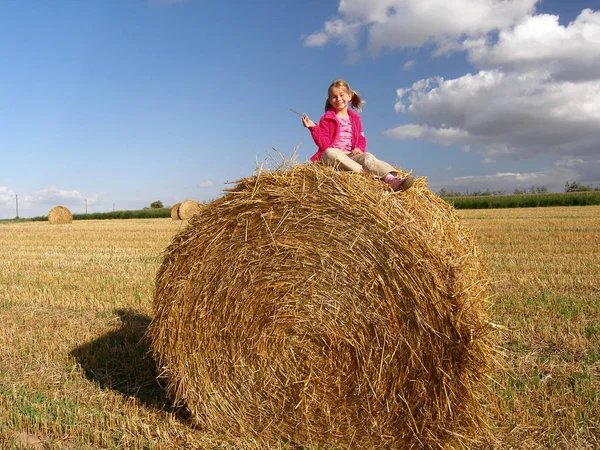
column 326, row 132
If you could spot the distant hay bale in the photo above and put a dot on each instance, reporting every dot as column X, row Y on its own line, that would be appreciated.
column 319, row 307
column 188, row 208
column 60, row 215
column 175, row 211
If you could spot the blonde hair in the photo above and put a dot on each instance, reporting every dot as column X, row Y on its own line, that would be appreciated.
column 356, row 101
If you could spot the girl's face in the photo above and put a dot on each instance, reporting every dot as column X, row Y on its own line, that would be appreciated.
column 339, row 99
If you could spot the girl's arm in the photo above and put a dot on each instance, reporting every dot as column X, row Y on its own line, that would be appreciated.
column 315, row 130
column 322, row 133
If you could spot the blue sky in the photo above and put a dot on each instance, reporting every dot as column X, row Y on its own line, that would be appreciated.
column 115, row 104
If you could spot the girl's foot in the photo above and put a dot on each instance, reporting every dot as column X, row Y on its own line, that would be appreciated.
column 397, row 183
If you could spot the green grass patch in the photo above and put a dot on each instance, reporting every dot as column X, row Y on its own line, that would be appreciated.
column 149, row 213
column 525, row 200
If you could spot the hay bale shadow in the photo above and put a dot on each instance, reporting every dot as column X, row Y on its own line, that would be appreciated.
column 120, row 361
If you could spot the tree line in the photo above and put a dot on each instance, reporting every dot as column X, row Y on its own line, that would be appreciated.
column 575, row 186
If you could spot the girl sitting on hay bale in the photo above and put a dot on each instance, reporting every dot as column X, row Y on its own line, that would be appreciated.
column 341, row 141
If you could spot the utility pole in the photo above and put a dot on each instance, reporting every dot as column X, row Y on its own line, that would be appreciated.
column 17, row 203
column 86, row 205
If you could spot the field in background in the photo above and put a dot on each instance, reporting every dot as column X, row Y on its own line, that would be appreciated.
column 584, row 198
column 75, row 301
column 544, row 264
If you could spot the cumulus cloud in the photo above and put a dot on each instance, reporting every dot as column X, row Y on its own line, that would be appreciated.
column 414, row 23
column 539, row 43
column 337, row 30
column 443, row 135
column 515, row 115
column 54, row 195
column 536, row 94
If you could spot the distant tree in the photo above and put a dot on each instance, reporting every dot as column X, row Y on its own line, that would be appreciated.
column 576, row 187
column 157, row 204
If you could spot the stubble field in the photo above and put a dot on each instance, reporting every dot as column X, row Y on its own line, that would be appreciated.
column 75, row 301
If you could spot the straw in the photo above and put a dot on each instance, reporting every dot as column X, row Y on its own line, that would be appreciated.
column 319, row 307
column 296, row 112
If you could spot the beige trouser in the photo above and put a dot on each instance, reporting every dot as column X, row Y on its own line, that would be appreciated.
column 367, row 161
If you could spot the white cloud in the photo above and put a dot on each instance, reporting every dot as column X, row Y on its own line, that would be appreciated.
column 7, row 195
column 54, row 195
column 515, row 115
column 316, row 40
column 413, row 23
column 540, row 43
column 443, row 135
column 205, row 184
column 409, row 65
column 553, row 178
column 337, row 30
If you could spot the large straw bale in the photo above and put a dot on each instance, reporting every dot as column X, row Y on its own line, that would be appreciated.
column 188, row 208
column 175, row 211
column 319, row 307
column 60, row 215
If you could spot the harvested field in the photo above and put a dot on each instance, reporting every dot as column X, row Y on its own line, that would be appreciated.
column 76, row 301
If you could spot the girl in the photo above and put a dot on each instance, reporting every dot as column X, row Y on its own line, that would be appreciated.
column 341, row 141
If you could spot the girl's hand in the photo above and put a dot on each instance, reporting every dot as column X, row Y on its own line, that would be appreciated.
column 356, row 151
column 307, row 122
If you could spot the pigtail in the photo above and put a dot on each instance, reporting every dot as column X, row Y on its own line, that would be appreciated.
column 356, row 101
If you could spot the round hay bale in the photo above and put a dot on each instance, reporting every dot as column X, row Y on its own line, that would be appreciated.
column 60, row 215
column 175, row 211
column 188, row 208
column 319, row 307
